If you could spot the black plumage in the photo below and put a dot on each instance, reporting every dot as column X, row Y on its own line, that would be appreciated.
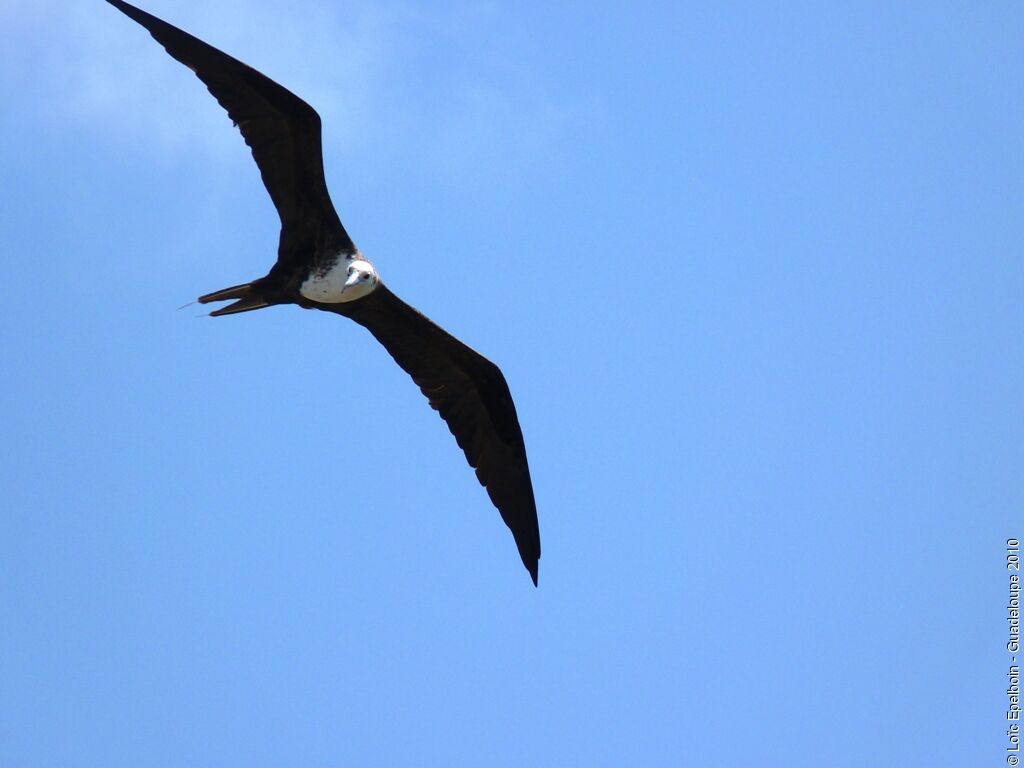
column 467, row 390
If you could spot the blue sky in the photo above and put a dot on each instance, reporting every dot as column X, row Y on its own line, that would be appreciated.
column 753, row 272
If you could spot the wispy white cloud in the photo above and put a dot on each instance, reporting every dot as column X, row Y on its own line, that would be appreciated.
column 376, row 72
column 86, row 62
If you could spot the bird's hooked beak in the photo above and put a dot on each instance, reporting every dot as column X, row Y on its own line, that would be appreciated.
column 352, row 280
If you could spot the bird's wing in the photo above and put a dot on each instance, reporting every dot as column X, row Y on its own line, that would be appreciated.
column 470, row 393
column 282, row 130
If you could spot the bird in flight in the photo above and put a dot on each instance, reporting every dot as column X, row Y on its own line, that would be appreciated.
column 319, row 267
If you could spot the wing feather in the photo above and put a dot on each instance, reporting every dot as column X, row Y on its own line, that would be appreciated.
column 465, row 388
column 281, row 129
column 470, row 393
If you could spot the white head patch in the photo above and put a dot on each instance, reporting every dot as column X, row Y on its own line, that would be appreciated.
column 348, row 279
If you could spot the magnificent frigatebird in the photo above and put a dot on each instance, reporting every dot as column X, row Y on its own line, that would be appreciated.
column 319, row 267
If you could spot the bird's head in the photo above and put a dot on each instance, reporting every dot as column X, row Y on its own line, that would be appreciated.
column 360, row 280
column 347, row 279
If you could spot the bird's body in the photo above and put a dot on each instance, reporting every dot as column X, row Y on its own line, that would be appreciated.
column 348, row 277
column 319, row 267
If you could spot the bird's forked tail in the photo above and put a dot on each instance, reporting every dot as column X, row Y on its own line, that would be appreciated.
column 247, row 299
